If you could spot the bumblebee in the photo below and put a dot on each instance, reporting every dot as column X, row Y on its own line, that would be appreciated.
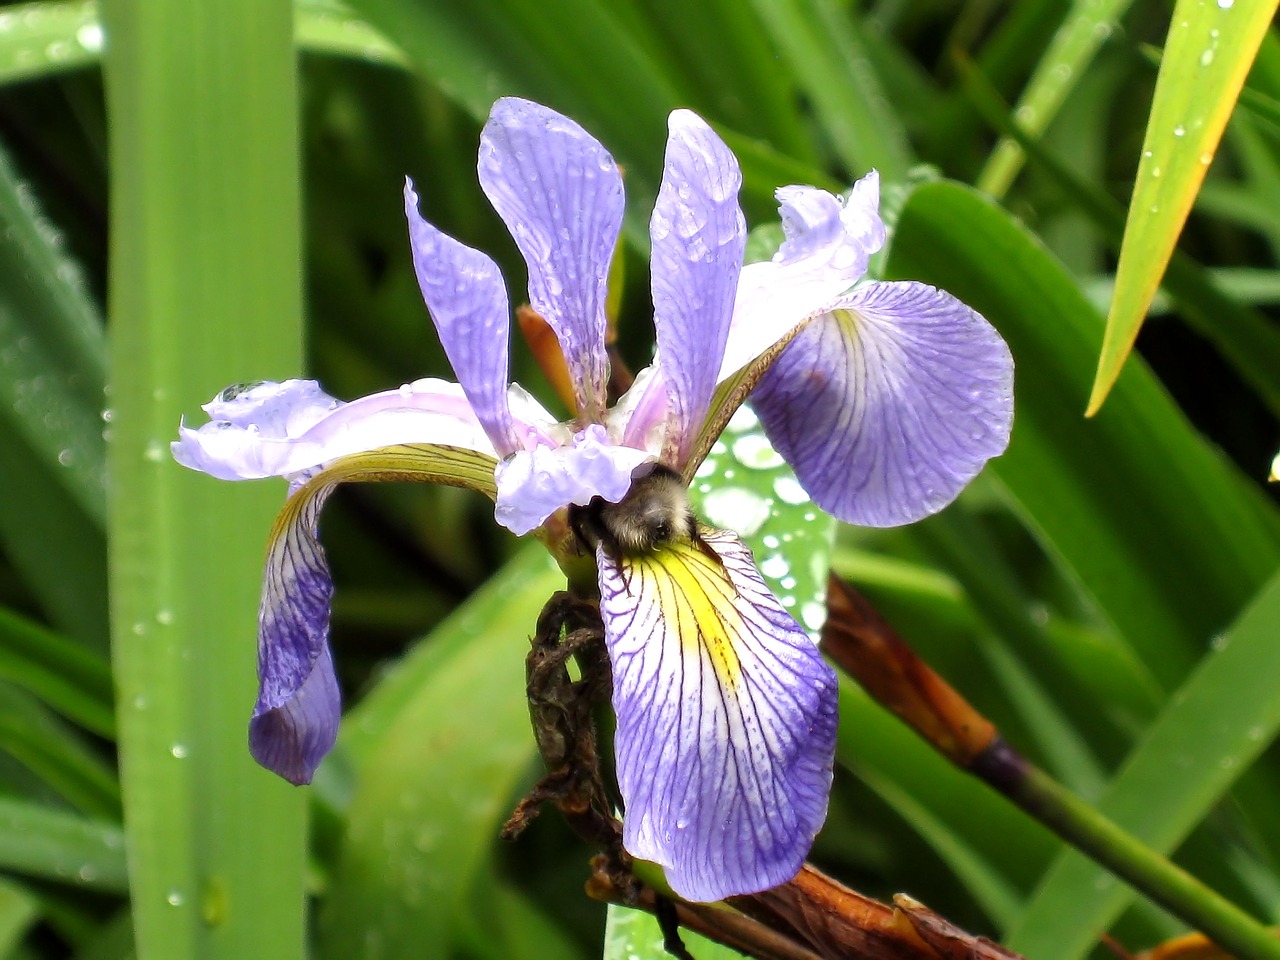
column 654, row 511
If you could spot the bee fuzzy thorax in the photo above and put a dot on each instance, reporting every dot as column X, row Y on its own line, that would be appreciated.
column 654, row 511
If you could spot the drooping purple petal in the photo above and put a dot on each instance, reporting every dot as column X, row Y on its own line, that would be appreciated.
column 560, row 194
column 467, row 299
column 829, row 240
column 290, row 428
column 890, row 403
column 726, row 718
column 295, row 721
column 698, row 235
column 533, row 484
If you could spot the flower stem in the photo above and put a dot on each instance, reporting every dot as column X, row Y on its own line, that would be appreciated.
column 1100, row 838
column 858, row 639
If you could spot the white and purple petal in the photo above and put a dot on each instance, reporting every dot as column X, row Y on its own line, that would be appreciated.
column 726, row 718
column 698, row 235
column 295, row 721
column 533, row 484
column 467, row 300
column 560, row 194
column 274, row 442
column 829, row 241
column 890, row 403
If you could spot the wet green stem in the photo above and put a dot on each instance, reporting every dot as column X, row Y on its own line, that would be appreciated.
column 1101, row 839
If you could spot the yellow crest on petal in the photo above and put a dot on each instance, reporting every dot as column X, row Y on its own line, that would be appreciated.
column 697, row 602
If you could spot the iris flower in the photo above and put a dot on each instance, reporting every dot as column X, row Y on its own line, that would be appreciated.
column 886, row 399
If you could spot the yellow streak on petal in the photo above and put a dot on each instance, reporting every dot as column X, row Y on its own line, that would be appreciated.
column 697, row 601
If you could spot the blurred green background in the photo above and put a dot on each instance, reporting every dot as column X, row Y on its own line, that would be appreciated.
column 230, row 197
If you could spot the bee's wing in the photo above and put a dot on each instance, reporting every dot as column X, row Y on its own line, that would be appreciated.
column 726, row 717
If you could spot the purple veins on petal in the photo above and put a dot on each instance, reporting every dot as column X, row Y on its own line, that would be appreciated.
column 698, row 235
column 889, row 404
column 467, row 300
column 560, row 194
column 295, row 720
column 726, row 718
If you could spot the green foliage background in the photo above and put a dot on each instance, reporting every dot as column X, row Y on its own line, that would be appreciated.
column 1107, row 592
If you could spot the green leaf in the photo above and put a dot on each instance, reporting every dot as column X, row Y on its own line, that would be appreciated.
column 635, row 935
column 1084, row 29
column 19, row 911
column 57, row 846
column 1206, row 58
column 824, row 47
column 56, row 754
column 1161, row 533
column 1216, row 725
column 70, row 680
column 205, row 290
column 38, row 39
column 52, row 352
column 439, row 748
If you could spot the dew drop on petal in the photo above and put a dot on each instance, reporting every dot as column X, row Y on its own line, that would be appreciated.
column 1179, row 131
column 736, row 509
column 175, row 898
column 179, row 751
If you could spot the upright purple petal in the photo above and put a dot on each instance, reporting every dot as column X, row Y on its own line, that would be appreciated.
column 890, row 403
column 726, row 718
column 560, row 194
column 295, row 721
column 698, row 235
column 465, row 295
column 829, row 240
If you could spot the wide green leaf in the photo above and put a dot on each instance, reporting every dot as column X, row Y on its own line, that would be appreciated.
column 439, row 750
column 1159, row 531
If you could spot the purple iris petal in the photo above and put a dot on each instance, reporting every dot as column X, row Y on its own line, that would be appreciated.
column 698, row 235
column 533, row 484
column 295, row 721
column 829, row 241
column 276, row 409
column 467, row 299
column 726, row 718
column 286, row 441
column 890, row 403
column 560, row 194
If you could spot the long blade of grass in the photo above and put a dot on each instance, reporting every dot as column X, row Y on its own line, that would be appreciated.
column 1206, row 58
column 47, row 843
column 825, row 50
column 202, row 99
column 1086, row 27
